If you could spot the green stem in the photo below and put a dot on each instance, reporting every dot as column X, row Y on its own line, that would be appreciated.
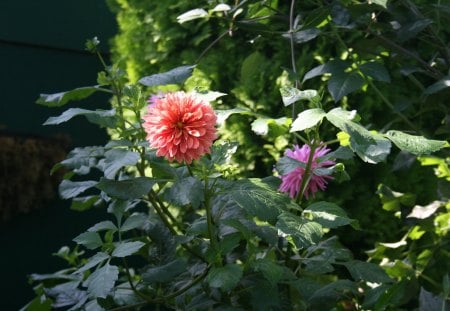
column 307, row 173
column 211, row 234
column 292, row 44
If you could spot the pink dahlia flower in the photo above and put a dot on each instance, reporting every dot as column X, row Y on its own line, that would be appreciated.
column 292, row 181
column 180, row 126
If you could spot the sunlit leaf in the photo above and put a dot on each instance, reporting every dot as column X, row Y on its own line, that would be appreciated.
column 191, row 15
column 101, row 282
column 69, row 189
column 302, row 231
column 307, row 119
column 105, row 118
column 291, row 95
column 62, row 98
column 124, row 249
column 417, row 145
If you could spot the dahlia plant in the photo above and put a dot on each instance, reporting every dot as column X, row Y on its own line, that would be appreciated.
column 182, row 231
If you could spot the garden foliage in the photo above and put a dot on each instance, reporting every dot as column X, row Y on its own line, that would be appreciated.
column 308, row 97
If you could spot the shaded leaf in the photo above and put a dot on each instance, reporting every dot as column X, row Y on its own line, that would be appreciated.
column 90, row 240
column 376, row 71
column 226, row 277
column 303, row 232
column 102, row 117
column 417, row 145
column 175, row 76
column 336, row 66
column 185, row 191
column 103, row 225
column 115, row 159
column 124, row 249
column 133, row 222
column 69, row 189
column 307, row 119
column 328, row 214
column 437, row 86
column 366, row 271
column 101, row 282
column 93, row 262
column 271, row 270
column 332, row 291
column 302, row 36
column 127, row 189
column 62, row 98
column 344, row 83
column 165, row 273
column 287, row 164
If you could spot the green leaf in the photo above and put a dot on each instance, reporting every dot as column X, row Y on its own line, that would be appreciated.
column 291, row 95
column 271, row 271
column 370, row 147
column 185, row 191
column 103, row 225
column 69, row 189
column 104, row 118
column 62, row 98
column 439, row 85
column 344, row 83
column 307, row 119
column 175, row 76
column 90, row 240
column 334, row 290
column 302, row 36
column 287, row 164
column 366, row 271
column 191, row 15
column 336, row 66
column 226, row 277
column 261, row 126
column 115, row 159
column 93, row 262
column 328, row 214
column 376, row 71
column 302, row 232
column 101, row 282
column 257, row 199
column 81, row 160
column 422, row 212
column 381, row 3
column 165, row 273
column 84, row 203
column 222, row 151
column 222, row 115
column 127, row 189
column 133, row 222
column 124, row 249
column 417, row 145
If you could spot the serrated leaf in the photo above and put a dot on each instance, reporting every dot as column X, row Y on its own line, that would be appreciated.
column 93, row 262
column 257, row 199
column 101, row 282
column 366, row 271
column 62, row 98
column 115, row 159
column 124, row 249
column 328, row 214
column 101, row 117
column 191, row 15
column 175, row 76
column 222, row 151
column 128, row 189
column 344, row 83
column 291, row 95
column 133, row 222
column 103, row 225
column 376, row 71
column 226, row 277
column 69, row 189
column 185, row 191
column 80, row 160
column 437, row 86
column 417, row 145
column 303, row 232
column 222, row 115
column 336, row 66
column 165, row 273
column 302, row 36
column 90, row 240
column 208, row 96
column 307, row 119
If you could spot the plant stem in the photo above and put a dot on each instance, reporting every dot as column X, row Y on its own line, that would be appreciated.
column 307, row 173
column 211, row 233
column 292, row 44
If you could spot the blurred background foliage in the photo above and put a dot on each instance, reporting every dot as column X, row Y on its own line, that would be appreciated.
column 248, row 56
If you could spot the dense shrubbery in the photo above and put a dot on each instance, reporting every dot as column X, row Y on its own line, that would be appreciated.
column 216, row 234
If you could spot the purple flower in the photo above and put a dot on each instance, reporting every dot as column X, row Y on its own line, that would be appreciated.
column 292, row 181
column 155, row 98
